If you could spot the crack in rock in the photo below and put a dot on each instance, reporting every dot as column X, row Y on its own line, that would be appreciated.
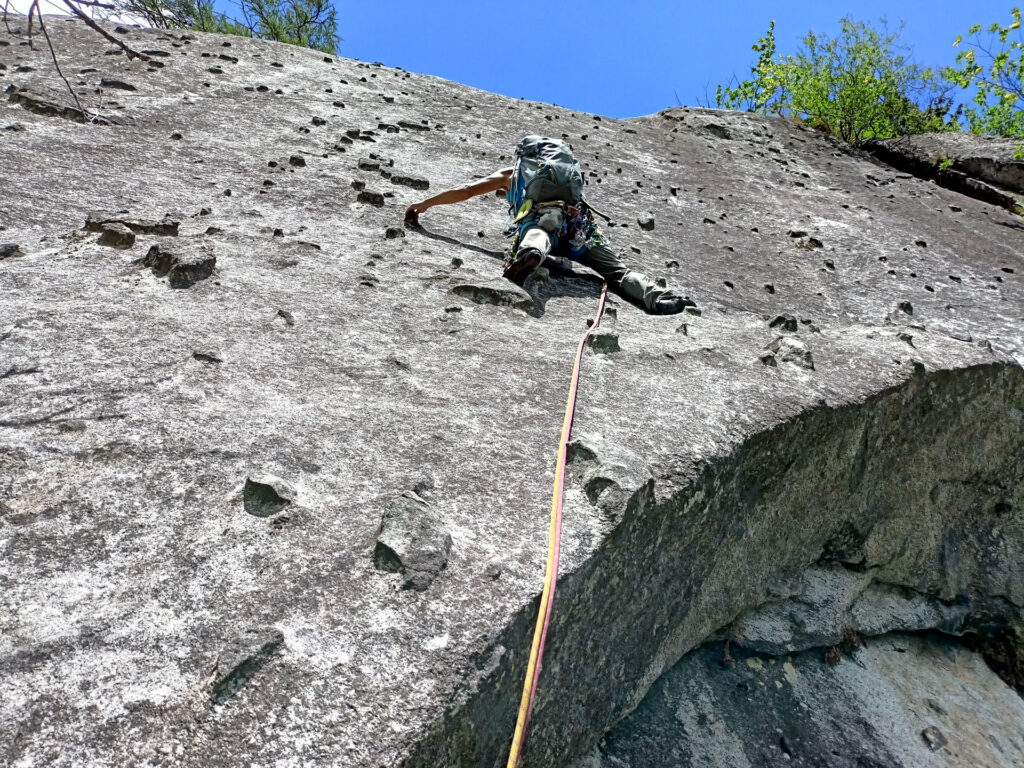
column 241, row 658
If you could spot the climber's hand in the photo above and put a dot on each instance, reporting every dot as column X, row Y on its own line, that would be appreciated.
column 412, row 215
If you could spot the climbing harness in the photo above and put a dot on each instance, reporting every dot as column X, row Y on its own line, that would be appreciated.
column 575, row 232
column 554, row 547
column 546, row 190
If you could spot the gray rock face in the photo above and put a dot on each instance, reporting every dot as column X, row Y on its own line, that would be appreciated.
column 42, row 107
column 705, row 483
column 412, row 540
column 371, row 197
column 183, row 266
column 785, row 323
column 604, row 342
column 833, row 602
column 788, row 349
column 496, row 291
column 207, row 356
column 983, row 167
column 98, row 222
column 264, row 495
column 410, row 181
column 242, row 657
column 118, row 85
column 9, row 250
column 117, row 235
column 904, row 701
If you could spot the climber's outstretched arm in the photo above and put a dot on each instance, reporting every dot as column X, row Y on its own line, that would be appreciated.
column 495, row 181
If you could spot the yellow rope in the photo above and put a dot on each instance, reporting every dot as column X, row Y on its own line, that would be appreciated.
column 554, row 543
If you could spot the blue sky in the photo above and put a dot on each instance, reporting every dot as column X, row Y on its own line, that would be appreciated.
column 622, row 58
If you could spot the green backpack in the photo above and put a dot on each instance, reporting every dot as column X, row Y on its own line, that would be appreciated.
column 544, row 170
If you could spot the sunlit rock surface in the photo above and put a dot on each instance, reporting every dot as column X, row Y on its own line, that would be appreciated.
column 205, row 416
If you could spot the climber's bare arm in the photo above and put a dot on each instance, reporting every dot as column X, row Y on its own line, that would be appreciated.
column 497, row 180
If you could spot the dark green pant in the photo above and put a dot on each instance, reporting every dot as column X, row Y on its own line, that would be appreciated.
column 597, row 255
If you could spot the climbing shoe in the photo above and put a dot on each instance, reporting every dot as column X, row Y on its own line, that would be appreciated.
column 522, row 264
column 672, row 305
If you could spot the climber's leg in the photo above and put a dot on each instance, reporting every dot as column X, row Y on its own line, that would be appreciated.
column 632, row 284
column 535, row 243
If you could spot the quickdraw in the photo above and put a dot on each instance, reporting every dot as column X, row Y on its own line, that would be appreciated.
column 578, row 226
column 577, row 229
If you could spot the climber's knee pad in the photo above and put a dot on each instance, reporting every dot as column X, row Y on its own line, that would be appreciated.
column 535, row 237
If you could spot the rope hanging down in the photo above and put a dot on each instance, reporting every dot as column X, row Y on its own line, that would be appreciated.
column 547, row 597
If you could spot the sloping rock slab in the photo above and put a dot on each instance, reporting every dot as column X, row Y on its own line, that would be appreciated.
column 499, row 292
column 978, row 166
column 125, row 550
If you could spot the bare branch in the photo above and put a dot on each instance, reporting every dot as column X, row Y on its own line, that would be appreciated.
column 53, row 55
column 129, row 52
column 7, row 24
column 33, row 7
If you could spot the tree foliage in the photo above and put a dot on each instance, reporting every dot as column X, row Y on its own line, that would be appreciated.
column 858, row 85
column 765, row 91
column 309, row 23
column 994, row 66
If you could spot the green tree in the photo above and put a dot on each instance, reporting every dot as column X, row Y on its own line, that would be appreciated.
column 765, row 92
column 309, row 23
column 858, row 85
column 995, row 68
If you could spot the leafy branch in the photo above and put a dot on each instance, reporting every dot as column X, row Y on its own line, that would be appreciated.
column 994, row 66
column 858, row 85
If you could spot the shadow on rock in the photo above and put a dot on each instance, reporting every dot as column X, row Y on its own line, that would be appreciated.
column 418, row 229
column 561, row 281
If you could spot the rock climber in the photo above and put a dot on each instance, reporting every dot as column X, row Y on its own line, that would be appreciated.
column 548, row 215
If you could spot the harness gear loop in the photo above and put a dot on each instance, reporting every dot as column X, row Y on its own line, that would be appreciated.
column 571, row 236
column 554, row 549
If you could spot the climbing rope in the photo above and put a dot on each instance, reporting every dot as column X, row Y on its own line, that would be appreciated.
column 547, row 597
